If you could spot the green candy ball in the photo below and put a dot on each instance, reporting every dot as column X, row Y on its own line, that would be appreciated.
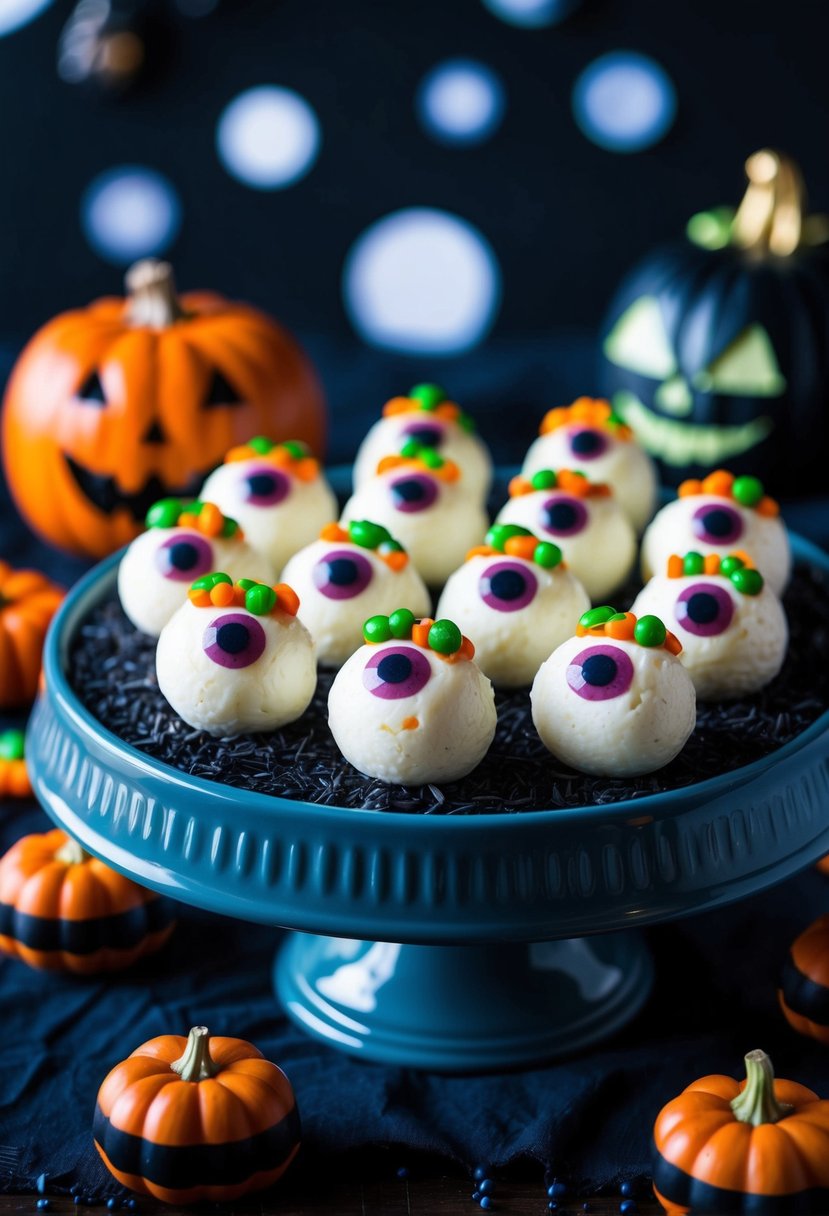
column 431, row 458
column 747, row 581
column 377, row 629
column 12, row 745
column 649, row 631
column 596, row 616
column 499, row 534
column 429, row 395
column 401, row 622
column 445, row 637
column 296, row 448
column 261, row 444
column 731, row 563
column 544, row 479
column 164, row 513
column 366, row 534
column 547, row 554
column 208, row 581
column 747, row 491
column 693, row 563
column 411, row 449
column 260, row 599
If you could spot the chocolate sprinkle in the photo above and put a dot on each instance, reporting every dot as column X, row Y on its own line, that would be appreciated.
column 112, row 669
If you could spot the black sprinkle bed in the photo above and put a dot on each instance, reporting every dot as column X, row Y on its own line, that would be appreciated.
column 112, row 668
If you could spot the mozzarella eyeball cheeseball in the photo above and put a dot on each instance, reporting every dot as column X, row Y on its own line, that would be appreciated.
column 156, row 571
column 430, row 420
column 225, row 669
column 736, row 516
column 428, row 509
column 732, row 626
column 517, row 609
column 412, row 708
column 277, row 492
column 588, row 436
column 340, row 581
column 613, row 708
column 591, row 529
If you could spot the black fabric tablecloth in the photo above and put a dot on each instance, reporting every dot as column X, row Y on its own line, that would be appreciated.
column 588, row 1118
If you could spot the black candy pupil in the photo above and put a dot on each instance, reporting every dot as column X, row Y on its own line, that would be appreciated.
column 261, row 483
column 183, row 555
column 561, row 515
column 394, row 669
column 718, row 523
column 507, row 585
column 342, row 572
column 703, row 608
column 410, row 491
column 585, row 442
column 599, row 670
column 428, row 435
column 232, row 638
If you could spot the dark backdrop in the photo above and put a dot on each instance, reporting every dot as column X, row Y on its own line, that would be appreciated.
column 564, row 217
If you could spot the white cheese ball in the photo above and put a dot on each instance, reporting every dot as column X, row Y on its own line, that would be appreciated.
column 619, row 463
column 628, row 712
column 159, row 566
column 340, row 585
column 388, row 436
column 226, row 671
column 594, row 534
column 279, row 513
column 404, row 714
column 708, row 523
column 515, row 612
column 732, row 644
column 436, row 521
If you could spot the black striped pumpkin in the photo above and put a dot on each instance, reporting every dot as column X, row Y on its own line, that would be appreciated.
column 804, row 982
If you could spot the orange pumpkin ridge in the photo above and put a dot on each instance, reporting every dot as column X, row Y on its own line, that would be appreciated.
column 162, row 1113
column 115, row 405
column 803, row 989
column 28, row 601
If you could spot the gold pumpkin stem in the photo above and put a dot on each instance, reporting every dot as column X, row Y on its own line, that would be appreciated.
column 770, row 217
column 196, row 1063
column 72, row 853
column 757, row 1103
column 152, row 298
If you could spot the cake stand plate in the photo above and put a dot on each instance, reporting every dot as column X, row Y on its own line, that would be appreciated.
column 466, row 893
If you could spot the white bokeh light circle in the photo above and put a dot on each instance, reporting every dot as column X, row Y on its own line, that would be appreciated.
column 15, row 13
column 130, row 212
column 423, row 281
column 531, row 14
column 624, row 101
column 268, row 137
column 460, row 101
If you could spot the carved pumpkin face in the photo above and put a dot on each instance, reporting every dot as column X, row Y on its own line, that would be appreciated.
column 113, row 407
column 717, row 351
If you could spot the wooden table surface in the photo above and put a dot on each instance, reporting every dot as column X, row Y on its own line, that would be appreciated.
column 435, row 1196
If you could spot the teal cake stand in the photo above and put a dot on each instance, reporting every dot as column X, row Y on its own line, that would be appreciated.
column 466, row 943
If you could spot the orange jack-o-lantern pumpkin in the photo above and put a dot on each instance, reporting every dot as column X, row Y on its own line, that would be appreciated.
column 114, row 406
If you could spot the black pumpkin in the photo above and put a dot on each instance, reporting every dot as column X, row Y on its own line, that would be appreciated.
column 716, row 351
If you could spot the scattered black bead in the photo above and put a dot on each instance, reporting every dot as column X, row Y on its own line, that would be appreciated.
column 487, row 1202
column 627, row 1189
column 557, row 1190
column 40, row 1185
column 479, row 1172
column 42, row 1205
column 112, row 668
column 113, row 1204
column 403, row 1173
column 487, row 1186
column 75, row 1189
column 476, row 1195
column 628, row 1207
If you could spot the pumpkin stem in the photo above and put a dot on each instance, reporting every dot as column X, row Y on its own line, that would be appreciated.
column 152, row 298
column 72, row 853
column 757, row 1103
column 770, row 217
column 196, row 1064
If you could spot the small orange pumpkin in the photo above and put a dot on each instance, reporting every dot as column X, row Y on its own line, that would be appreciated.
column 111, row 407
column 804, row 982
column 759, row 1146
column 28, row 601
column 196, row 1119
column 823, row 865
column 62, row 910
column 14, row 776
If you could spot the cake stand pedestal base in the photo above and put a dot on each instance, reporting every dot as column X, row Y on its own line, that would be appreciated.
column 462, row 1008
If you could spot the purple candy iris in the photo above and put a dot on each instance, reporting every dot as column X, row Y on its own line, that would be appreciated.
column 562, row 515
column 413, row 492
column 430, row 434
column 396, row 672
column 717, row 524
column 704, row 609
column 184, row 557
column 507, row 586
column 234, row 640
column 600, row 673
column 342, row 574
column 265, row 486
